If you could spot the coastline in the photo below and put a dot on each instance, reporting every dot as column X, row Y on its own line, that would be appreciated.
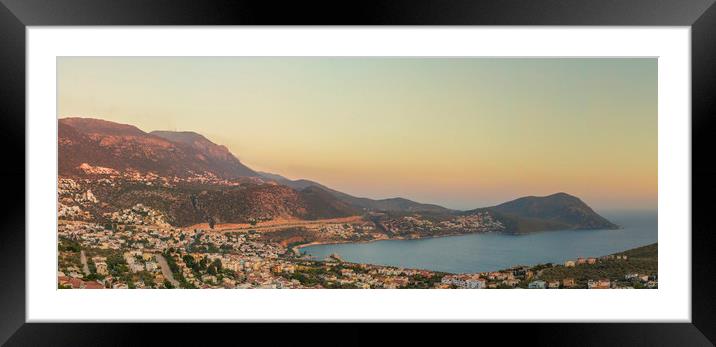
column 297, row 251
column 399, row 238
column 337, row 242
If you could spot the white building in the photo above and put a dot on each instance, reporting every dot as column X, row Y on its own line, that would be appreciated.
column 476, row 284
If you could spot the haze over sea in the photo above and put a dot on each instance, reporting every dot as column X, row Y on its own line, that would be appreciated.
column 494, row 251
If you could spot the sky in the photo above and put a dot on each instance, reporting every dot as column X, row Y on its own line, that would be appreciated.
column 459, row 132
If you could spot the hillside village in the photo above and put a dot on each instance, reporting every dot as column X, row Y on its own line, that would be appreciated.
column 174, row 210
column 136, row 248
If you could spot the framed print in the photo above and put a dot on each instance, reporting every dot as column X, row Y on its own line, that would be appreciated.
column 486, row 163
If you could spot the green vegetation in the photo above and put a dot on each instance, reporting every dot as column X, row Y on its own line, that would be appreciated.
column 541, row 266
column 93, row 277
column 92, row 266
column 309, row 276
column 67, row 245
column 116, row 265
column 648, row 252
column 69, row 254
column 172, row 263
column 422, row 282
column 214, row 267
column 176, row 272
column 642, row 260
column 183, row 283
column 147, row 277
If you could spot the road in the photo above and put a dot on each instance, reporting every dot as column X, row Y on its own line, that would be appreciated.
column 277, row 224
column 83, row 259
column 166, row 271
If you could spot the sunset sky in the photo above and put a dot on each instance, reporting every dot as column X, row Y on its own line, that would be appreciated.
column 459, row 132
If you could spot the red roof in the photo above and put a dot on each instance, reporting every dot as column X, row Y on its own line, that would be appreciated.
column 94, row 285
column 76, row 282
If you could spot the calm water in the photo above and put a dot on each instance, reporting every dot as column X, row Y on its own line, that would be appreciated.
column 495, row 251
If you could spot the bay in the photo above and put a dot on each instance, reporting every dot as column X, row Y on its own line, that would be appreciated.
column 495, row 251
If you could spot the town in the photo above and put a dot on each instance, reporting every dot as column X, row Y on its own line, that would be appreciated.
column 417, row 225
column 136, row 247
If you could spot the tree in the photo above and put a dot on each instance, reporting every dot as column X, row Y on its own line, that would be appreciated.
column 116, row 264
column 215, row 267
column 189, row 260
column 69, row 246
column 93, row 277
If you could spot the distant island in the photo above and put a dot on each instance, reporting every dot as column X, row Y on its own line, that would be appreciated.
column 175, row 203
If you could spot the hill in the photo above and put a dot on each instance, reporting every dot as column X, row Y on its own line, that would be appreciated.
column 216, row 156
column 87, row 142
column 187, row 205
column 387, row 205
column 642, row 260
column 121, row 147
column 558, row 211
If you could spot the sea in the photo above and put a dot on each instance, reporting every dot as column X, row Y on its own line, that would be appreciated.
column 497, row 250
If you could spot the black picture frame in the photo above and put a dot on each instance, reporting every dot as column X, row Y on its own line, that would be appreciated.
column 16, row 15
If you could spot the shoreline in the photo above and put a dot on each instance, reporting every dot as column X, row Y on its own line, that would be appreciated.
column 296, row 250
column 400, row 238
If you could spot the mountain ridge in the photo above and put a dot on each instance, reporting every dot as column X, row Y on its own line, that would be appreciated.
column 556, row 211
column 389, row 204
column 120, row 147
column 218, row 154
